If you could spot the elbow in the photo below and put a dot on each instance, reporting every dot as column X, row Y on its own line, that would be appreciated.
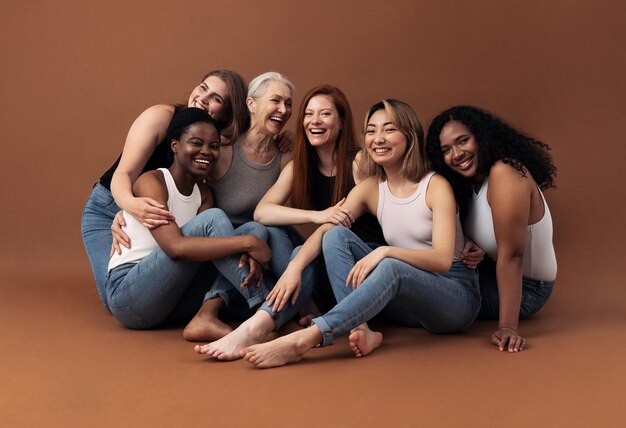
column 443, row 264
column 174, row 252
column 259, row 214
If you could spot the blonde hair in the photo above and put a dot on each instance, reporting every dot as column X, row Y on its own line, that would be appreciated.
column 415, row 162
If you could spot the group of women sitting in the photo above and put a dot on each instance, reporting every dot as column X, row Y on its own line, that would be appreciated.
column 195, row 219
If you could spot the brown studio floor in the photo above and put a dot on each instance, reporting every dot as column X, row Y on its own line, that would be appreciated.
column 65, row 362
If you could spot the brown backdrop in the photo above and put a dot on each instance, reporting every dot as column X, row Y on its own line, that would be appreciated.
column 74, row 76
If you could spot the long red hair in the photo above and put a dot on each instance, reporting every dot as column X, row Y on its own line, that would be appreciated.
column 305, row 156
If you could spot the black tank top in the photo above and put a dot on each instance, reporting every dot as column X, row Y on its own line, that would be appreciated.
column 160, row 158
column 365, row 227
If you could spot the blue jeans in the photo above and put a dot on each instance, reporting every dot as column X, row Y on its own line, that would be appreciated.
column 228, row 291
column 144, row 294
column 535, row 293
column 440, row 302
column 96, row 220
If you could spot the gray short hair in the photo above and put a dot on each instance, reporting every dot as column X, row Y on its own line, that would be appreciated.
column 258, row 85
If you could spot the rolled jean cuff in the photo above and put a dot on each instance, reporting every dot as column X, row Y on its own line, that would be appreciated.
column 222, row 294
column 327, row 334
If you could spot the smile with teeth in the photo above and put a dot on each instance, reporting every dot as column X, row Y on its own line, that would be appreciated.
column 203, row 161
column 317, row 131
column 198, row 104
column 465, row 164
column 277, row 119
column 381, row 150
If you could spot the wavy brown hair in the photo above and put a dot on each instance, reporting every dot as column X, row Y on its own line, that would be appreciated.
column 305, row 157
column 237, row 113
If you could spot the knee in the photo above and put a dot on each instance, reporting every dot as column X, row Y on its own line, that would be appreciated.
column 335, row 237
column 211, row 222
column 131, row 319
column 257, row 229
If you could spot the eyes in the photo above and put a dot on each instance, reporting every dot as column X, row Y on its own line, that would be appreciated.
column 325, row 113
column 371, row 130
column 460, row 142
column 199, row 143
column 278, row 100
column 214, row 97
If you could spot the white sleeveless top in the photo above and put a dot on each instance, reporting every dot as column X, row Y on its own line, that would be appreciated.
column 408, row 222
column 184, row 209
column 539, row 257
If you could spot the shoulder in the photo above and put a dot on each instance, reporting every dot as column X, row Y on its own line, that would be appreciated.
column 356, row 163
column 206, row 193
column 285, row 158
column 438, row 190
column 503, row 174
column 149, row 183
column 158, row 113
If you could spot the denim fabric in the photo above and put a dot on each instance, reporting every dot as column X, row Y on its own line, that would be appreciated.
column 307, row 284
column 96, row 220
column 222, row 287
column 440, row 302
column 144, row 294
column 283, row 240
column 535, row 293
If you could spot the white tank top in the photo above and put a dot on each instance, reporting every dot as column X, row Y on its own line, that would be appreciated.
column 408, row 222
column 539, row 257
column 184, row 209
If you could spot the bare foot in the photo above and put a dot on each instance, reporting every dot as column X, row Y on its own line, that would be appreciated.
column 253, row 330
column 308, row 313
column 206, row 326
column 363, row 341
column 286, row 349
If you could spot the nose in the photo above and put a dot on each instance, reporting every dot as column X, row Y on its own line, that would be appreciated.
column 456, row 151
column 316, row 118
column 282, row 108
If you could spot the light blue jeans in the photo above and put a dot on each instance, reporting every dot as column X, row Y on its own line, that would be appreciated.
column 145, row 294
column 282, row 241
column 96, row 220
column 535, row 293
column 440, row 302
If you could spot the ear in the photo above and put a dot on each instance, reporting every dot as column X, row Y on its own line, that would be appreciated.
column 174, row 145
column 251, row 105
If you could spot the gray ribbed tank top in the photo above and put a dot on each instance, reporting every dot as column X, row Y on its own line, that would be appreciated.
column 239, row 191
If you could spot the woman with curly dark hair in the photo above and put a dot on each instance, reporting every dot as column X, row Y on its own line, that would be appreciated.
column 498, row 175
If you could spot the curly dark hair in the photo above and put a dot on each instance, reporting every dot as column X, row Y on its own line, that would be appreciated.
column 496, row 141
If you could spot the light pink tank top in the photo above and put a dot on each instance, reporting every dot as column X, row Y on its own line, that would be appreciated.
column 408, row 222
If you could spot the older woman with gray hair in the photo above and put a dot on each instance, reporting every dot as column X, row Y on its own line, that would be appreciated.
column 244, row 172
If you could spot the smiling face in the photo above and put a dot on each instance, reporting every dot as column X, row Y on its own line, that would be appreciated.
column 198, row 149
column 459, row 149
column 272, row 109
column 384, row 142
column 210, row 95
column 321, row 121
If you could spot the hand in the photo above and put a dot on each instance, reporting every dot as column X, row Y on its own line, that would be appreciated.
column 472, row 254
column 287, row 286
column 149, row 212
column 284, row 141
column 256, row 271
column 507, row 339
column 119, row 236
column 363, row 267
column 260, row 251
column 337, row 215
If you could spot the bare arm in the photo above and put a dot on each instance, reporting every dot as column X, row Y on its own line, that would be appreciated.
column 440, row 199
column 509, row 196
column 271, row 210
column 144, row 135
column 288, row 284
column 179, row 247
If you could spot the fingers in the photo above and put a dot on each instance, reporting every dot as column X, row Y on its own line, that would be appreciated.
column 508, row 340
column 242, row 260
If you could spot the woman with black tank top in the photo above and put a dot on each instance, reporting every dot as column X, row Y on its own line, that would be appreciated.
column 222, row 94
